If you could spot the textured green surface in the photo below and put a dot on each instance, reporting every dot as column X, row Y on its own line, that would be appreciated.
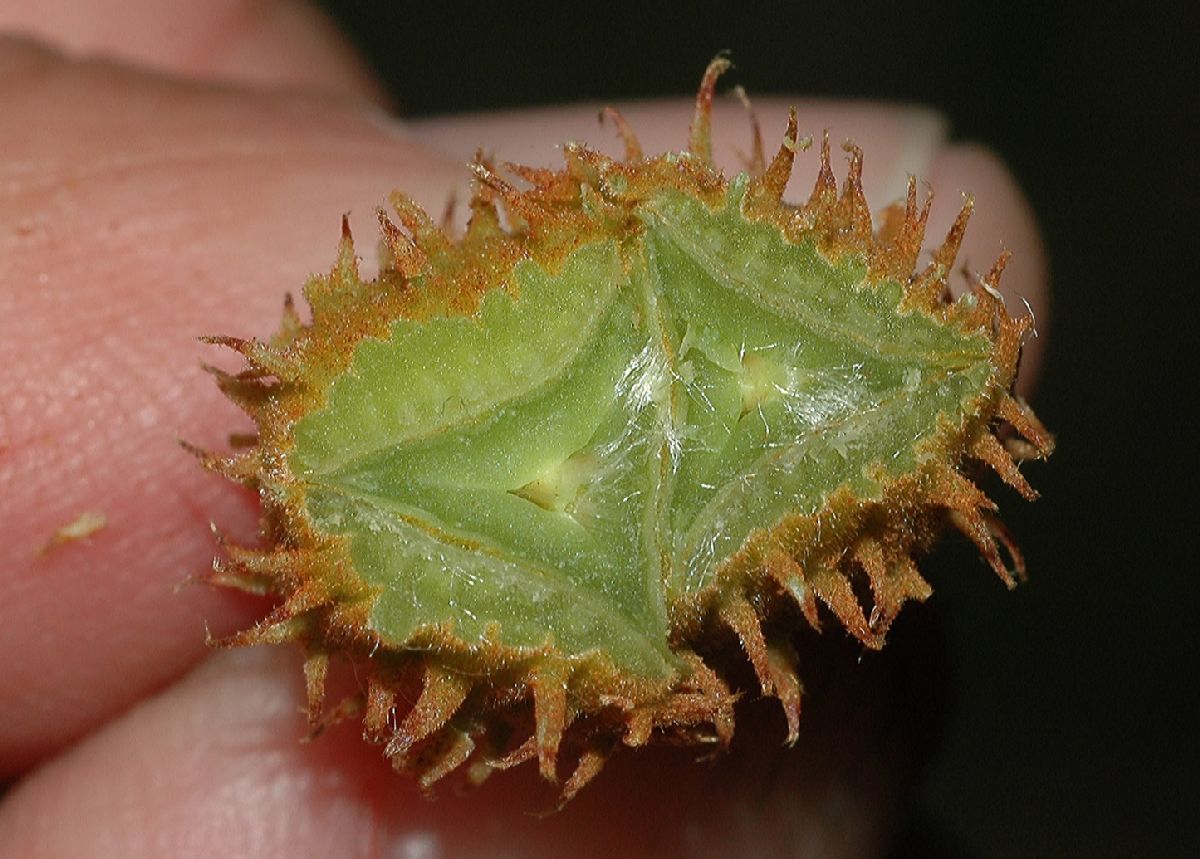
column 594, row 442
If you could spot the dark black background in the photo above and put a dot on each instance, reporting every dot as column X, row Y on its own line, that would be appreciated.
column 1070, row 730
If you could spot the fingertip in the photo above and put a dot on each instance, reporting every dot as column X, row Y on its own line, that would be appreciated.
column 292, row 45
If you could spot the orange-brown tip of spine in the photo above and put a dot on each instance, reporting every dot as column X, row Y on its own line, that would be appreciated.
column 485, row 172
column 518, row 205
column 443, row 693
column 312, row 595
column 426, row 234
column 908, row 581
column 485, row 219
column 1018, row 413
column 404, row 255
column 243, row 467
column 200, row 454
column 481, row 190
column 527, row 751
column 221, row 575
column 379, row 718
column 955, row 492
column 971, row 522
column 245, row 390
column 870, row 557
column 788, row 688
column 834, row 589
column 541, row 177
column 739, row 615
column 398, row 243
column 855, row 210
column 824, row 193
column 702, row 698
column 323, row 294
column 549, row 686
column 1021, row 450
column 1000, row 532
column 773, row 180
column 633, row 148
column 700, row 133
column 449, row 749
column 1008, row 337
column 552, row 186
column 275, row 629
column 591, row 762
column 910, row 200
column 269, row 562
column 783, row 568
column 992, row 278
column 245, row 348
column 946, row 253
column 316, row 670
column 894, row 580
column 261, row 357
column 915, row 225
column 930, row 290
column 899, row 239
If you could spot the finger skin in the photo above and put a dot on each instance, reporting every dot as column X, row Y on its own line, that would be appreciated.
column 137, row 213
column 213, row 767
column 263, row 43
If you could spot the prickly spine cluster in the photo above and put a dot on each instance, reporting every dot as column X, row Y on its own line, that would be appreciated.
column 488, row 704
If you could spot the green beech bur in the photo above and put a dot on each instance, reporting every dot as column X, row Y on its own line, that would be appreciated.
column 534, row 473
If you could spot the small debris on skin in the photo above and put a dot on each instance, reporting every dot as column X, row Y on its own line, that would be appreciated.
column 85, row 525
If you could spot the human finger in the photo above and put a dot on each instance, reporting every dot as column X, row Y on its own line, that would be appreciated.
column 136, row 214
column 214, row 766
column 264, row 43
